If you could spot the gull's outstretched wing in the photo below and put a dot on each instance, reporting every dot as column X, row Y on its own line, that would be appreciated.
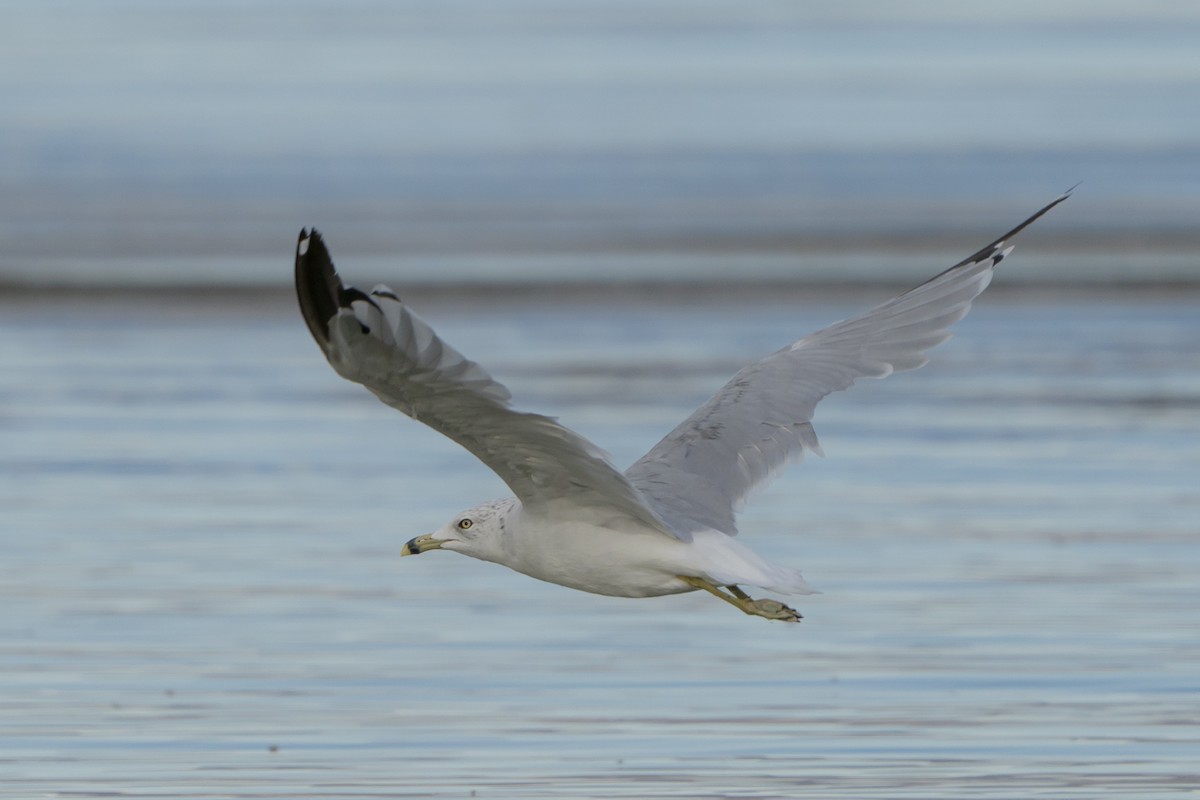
column 376, row 340
column 699, row 475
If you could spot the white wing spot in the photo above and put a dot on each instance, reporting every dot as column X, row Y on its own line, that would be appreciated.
column 302, row 248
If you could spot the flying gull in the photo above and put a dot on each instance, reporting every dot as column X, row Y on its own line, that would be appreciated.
column 667, row 524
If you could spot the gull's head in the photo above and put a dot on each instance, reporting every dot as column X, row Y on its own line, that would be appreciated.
column 478, row 532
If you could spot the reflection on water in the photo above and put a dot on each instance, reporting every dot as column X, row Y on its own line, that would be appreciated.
column 202, row 594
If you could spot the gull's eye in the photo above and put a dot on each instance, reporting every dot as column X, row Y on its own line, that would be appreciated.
column 465, row 524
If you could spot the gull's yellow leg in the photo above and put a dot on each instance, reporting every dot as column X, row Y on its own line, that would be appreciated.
column 738, row 593
column 770, row 609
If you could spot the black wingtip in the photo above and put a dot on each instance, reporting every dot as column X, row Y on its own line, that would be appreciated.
column 318, row 286
column 990, row 250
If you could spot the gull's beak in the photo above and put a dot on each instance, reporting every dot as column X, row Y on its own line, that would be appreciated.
column 414, row 547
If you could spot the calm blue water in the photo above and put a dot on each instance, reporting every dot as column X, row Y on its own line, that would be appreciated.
column 187, row 143
column 202, row 595
column 200, row 524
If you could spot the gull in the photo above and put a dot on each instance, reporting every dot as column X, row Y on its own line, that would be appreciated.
column 667, row 524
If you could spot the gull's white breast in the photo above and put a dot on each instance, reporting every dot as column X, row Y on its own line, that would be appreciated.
column 624, row 558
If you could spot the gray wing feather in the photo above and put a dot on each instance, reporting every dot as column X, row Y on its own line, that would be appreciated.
column 376, row 340
column 699, row 475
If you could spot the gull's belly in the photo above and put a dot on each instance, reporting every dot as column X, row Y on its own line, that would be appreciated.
column 619, row 562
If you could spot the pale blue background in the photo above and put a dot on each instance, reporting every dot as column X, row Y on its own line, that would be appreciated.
column 188, row 142
column 201, row 594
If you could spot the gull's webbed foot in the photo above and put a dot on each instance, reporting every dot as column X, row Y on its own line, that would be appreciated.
column 773, row 609
column 766, row 608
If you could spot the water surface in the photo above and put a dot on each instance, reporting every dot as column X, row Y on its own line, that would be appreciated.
column 202, row 594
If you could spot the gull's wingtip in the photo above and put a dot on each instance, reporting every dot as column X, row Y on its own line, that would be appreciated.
column 1042, row 211
column 311, row 241
column 997, row 246
column 1059, row 199
column 318, row 286
column 1037, row 215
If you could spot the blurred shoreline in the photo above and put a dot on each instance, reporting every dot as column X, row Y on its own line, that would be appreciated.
column 805, row 218
column 1044, row 261
column 631, row 292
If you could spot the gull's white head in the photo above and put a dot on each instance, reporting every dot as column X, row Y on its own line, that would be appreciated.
column 479, row 532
